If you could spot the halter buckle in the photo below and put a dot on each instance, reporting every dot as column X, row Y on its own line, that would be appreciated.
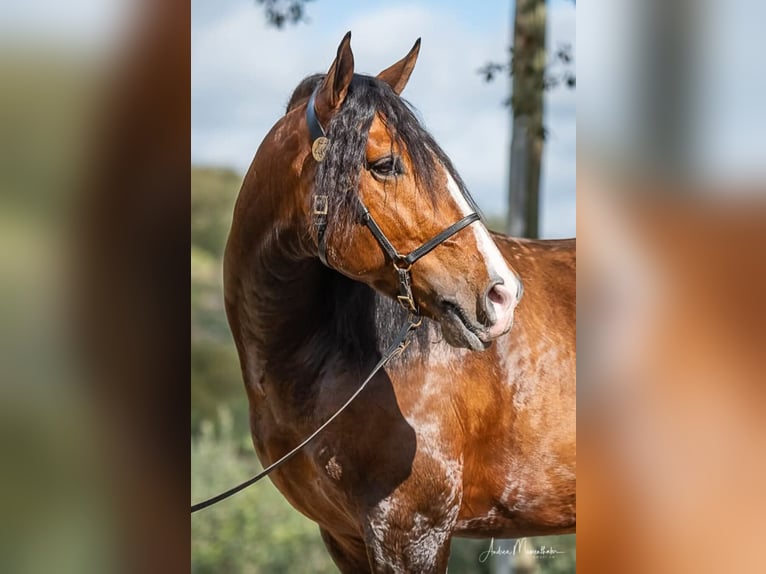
column 320, row 204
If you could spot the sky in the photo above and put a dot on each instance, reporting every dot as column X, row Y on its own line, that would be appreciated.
column 243, row 72
column 716, row 70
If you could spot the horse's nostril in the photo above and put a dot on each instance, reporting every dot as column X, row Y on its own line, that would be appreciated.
column 500, row 303
column 498, row 295
column 500, row 300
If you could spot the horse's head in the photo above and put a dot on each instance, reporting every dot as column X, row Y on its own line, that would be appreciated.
column 387, row 207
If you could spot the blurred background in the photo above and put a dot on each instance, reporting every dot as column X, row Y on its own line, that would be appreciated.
column 671, row 283
column 95, row 118
column 247, row 57
column 94, row 212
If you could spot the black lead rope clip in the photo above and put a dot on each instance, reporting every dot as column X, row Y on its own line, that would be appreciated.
column 405, row 297
column 414, row 320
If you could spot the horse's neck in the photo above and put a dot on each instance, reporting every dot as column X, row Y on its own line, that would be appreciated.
column 299, row 314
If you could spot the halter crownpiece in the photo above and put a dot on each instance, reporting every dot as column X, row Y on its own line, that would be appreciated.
column 319, row 141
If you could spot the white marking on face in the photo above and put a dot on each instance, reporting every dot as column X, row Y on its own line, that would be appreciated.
column 494, row 259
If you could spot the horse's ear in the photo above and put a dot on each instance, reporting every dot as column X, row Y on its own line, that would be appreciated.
column 397, row 75
column 338, row 79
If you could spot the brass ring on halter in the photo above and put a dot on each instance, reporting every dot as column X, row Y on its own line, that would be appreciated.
column 400, row 262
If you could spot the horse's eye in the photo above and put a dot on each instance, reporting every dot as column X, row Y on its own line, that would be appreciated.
column 388, row 166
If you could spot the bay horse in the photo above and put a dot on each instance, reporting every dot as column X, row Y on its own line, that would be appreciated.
column 470, row 431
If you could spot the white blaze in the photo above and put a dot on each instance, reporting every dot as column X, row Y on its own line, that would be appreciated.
column 494, row 260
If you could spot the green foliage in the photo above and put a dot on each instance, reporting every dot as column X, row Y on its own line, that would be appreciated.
column 464, row 556
column 255, row 532
column 215, row 375
column 216, row 380
column 213, row 192
column 564, row 563
column 282, row 12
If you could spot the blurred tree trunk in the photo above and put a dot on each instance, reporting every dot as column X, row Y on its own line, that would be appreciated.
column 502, row 564
column 528, row 73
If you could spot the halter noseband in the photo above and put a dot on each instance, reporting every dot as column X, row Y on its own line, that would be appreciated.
column 402, row 263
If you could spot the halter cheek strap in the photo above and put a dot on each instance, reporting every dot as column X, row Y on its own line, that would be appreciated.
column 319, row 145
column 320, row 224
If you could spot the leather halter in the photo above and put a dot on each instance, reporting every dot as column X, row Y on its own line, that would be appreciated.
column 402, row 263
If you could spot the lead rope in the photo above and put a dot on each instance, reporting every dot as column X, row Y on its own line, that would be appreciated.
column 396, row 348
